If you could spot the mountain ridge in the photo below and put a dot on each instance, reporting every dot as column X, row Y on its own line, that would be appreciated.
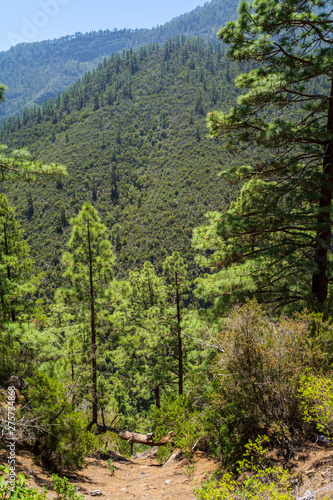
column 132, row 134
column 34, row 72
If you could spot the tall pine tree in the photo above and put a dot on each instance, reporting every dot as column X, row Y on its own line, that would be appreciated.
column 274, row 241
column 16, row 266
column 89, row 267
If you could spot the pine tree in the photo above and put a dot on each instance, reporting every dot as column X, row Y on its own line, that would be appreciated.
column 145, row 354
column 148, row 315
column 16, row 266
column 89, row 267
column 274, row 240
column 20, row 165
column 175, row 271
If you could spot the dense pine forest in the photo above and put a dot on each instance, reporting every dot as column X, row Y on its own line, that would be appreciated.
column 133, row 137
column 165, row 254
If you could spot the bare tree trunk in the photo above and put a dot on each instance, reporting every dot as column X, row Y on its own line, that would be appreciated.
column 134, row 437
column 319, row 277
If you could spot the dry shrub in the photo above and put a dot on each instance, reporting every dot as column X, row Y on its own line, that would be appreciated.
column 259, row 375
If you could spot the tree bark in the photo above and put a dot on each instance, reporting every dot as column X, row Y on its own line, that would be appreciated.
column 319, row 277
column 12, row 312
column 134, row 437
column 157, row 397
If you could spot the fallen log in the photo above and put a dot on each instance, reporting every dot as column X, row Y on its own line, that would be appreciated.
column 133, row 437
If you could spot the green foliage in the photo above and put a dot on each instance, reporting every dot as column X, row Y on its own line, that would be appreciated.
column 250, row 387
column 157, row 179
column 153, row 356
column 189, row 470
column 60, row 432
column 64, row 490
column 273, row 242
column 316, row 395
column 110, row 466
column 88, row 245
column 16, row 267
column 19, row 166
column 163, row 453
column 182, row 417
column 258, row 377
column 19, row 490
column 255, row 481
column 89, row 267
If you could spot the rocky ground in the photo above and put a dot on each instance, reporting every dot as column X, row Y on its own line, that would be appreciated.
column 138, row 478
column 143, row 477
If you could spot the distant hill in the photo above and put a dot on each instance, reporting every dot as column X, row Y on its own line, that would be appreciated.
column 133, row 136
column 37, row 71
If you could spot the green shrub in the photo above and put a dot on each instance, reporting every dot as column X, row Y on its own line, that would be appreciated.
column 163, row 453
column 254, row 482
column 64, row 490
column 186, row 421
column 20, row 490
column 61, row 436
column 189, row 470
column 110, row 466
column 316, row 394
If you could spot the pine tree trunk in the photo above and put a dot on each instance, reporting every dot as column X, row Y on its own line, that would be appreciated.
column 93, row 334
column 12, row 312
column 319, row 278
column 157, row 397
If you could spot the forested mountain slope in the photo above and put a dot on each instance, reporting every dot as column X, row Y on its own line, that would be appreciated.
column 134, row 139
column 34, row 72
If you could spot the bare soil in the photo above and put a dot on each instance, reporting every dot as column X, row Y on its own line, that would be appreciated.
column 141, row 478
column 134, row 479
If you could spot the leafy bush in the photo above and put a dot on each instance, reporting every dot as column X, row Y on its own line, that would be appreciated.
column 20, row 490
column 163, row 453
column 316, row 395
column 254, row 481
column 64, row 490
column 61, row 436
column 186, row 422
column 110, row 466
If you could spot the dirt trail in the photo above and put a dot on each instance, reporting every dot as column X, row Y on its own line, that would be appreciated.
column 146, row 479
column 136, row 479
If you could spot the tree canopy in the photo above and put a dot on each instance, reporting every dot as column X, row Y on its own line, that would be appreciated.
column 20, row 164
column 274, row 241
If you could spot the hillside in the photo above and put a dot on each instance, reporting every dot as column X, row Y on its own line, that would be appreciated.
column 34, row 72
column 134, row 139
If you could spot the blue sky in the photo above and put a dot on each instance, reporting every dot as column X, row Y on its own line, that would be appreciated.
column 33, row 20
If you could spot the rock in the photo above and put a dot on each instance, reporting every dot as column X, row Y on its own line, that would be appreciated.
column 308, row 495
column 146, row 454
column 322, row 440
column 168, row 481
column 96, row 493
column 174, row 458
